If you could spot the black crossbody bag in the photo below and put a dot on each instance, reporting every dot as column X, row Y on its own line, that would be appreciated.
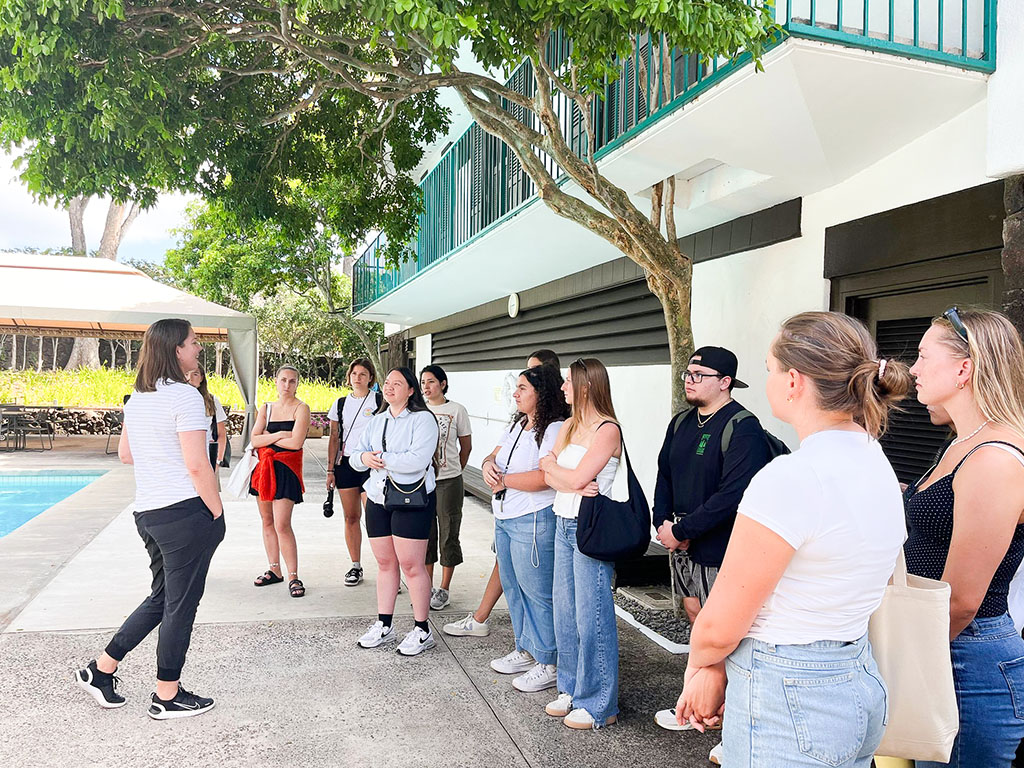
column 410, row 497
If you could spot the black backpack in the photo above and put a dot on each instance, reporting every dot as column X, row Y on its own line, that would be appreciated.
column 775, row 446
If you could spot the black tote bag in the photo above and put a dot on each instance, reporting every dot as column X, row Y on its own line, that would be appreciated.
column 615, row 530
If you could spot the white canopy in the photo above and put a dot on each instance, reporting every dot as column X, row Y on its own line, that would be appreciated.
column 70, row 296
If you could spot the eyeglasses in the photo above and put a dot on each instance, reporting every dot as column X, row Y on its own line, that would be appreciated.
column 953, row 316
column 697, row 378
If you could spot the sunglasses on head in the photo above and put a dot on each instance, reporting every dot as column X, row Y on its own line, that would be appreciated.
column 953, row 317
column 579, row 361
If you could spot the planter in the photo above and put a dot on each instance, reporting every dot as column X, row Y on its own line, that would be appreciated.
column 314, row 432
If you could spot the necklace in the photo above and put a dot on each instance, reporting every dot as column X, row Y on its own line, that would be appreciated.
column 702, row 423
column 959, row 440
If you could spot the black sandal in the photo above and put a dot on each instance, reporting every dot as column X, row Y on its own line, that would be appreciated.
column 267, row 579
column 296, row 589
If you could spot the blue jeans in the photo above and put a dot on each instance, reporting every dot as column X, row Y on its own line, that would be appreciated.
column 988, row 674
column 786, row 706
column 585, row 630
column 526, row 565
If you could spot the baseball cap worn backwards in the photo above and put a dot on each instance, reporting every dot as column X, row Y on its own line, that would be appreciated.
column 719, row 359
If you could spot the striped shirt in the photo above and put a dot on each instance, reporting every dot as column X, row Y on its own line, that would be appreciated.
column 153, row 421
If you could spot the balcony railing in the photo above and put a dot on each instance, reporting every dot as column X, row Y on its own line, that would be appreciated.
column 480, row 182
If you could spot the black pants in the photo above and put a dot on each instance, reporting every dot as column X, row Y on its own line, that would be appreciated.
column 181, row 540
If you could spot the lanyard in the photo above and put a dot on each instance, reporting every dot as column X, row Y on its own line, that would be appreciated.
column 508, row 461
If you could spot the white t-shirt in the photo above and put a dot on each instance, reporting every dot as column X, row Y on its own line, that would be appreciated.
column 355, row 415
column 837, row 502
column 453, row 421
column 610, row 482
column 153, row 421
column 219, row 415
column 525, row 458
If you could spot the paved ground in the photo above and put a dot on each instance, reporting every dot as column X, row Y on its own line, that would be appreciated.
column 292, row 687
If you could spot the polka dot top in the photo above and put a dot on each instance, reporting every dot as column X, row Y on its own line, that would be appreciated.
column 930, row 529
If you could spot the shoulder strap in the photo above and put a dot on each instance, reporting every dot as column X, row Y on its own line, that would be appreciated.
column 384, row 436
column 1008, row 447
column 268, row 413
column 677, row 420
column 379, row 398
column 730, row 427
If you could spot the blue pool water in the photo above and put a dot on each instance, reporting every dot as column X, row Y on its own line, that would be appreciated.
column 23, row 495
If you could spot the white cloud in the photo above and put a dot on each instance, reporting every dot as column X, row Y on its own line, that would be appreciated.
column 25, row 223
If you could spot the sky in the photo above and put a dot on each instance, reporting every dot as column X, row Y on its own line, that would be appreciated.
column 25, row 223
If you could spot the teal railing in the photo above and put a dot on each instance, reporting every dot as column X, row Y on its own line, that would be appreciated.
column 479, row 181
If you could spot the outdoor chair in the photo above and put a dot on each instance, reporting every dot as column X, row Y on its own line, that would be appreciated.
column 115, row 431
column 34, row 426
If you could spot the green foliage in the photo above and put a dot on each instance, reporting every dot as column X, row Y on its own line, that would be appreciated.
column 294, row 329
column 259, row 266
column 112, row 98
column 106, row 388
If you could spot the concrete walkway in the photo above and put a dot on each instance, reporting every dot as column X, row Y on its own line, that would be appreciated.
column 292, row 687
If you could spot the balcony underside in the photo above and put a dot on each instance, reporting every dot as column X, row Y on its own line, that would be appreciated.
column 816, row 116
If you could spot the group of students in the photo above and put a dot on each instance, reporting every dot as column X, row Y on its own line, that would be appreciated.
column 781, row 559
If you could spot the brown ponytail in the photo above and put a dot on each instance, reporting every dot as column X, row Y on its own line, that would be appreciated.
column 838, row 354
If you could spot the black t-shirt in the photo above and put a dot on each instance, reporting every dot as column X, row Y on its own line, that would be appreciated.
column 701, row 489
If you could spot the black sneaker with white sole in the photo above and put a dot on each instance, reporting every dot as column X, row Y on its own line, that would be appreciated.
column 184, row 704
column 353, row 577
column 100, row 685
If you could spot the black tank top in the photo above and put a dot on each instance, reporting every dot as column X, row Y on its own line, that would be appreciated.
column 930, row 529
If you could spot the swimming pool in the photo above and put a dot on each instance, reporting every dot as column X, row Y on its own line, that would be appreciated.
column 23, row 495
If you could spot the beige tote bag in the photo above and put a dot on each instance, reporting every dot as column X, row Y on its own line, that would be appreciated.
column 909, row 635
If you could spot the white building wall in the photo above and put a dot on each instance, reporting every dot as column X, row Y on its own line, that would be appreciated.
column 1006, row 94
column 739, row 301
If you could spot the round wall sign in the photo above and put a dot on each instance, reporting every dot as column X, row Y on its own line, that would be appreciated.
column 513, row 304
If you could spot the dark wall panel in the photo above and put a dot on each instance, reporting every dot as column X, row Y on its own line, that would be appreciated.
column 622, row 325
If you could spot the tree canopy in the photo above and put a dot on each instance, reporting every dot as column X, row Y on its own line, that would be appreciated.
column 239, row 98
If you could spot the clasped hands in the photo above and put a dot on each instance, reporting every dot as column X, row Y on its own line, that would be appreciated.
column 702, row 701
column 668, row 539
column 372, row 459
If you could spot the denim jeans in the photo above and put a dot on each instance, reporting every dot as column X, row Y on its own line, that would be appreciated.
column 786, row 706
column 585, row 630
column 526, row 565
column 988, row 674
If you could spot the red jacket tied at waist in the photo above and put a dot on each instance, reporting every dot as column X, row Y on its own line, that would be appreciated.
column 264, row 479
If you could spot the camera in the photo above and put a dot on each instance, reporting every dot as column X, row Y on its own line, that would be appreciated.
column 500, row 495
column 329, row 504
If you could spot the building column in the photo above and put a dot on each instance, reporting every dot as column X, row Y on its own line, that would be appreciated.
column 1013, row 250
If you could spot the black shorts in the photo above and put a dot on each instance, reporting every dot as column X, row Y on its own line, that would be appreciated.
column 346, row 477
column 406, row 524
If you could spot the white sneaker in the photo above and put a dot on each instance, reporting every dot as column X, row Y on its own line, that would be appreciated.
column 666, row 718
column 561, row 706
column 716, row 754
column 513, row 663
column 439, row 599
column 540, row 678
column 417, row 641
column 468, row 627
column 378, row 634
column 581, row 720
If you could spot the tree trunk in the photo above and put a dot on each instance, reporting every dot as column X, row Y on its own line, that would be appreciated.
column 86, row 352
column 56, row 341
column 39, row 359
column 14, row 352
column 673, row 291
column 219, row 347
column 1013, row 251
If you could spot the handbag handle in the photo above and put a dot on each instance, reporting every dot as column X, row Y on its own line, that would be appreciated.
column 622, row 439
column 899, row 573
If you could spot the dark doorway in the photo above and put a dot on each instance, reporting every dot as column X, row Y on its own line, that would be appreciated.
column 897, row 305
